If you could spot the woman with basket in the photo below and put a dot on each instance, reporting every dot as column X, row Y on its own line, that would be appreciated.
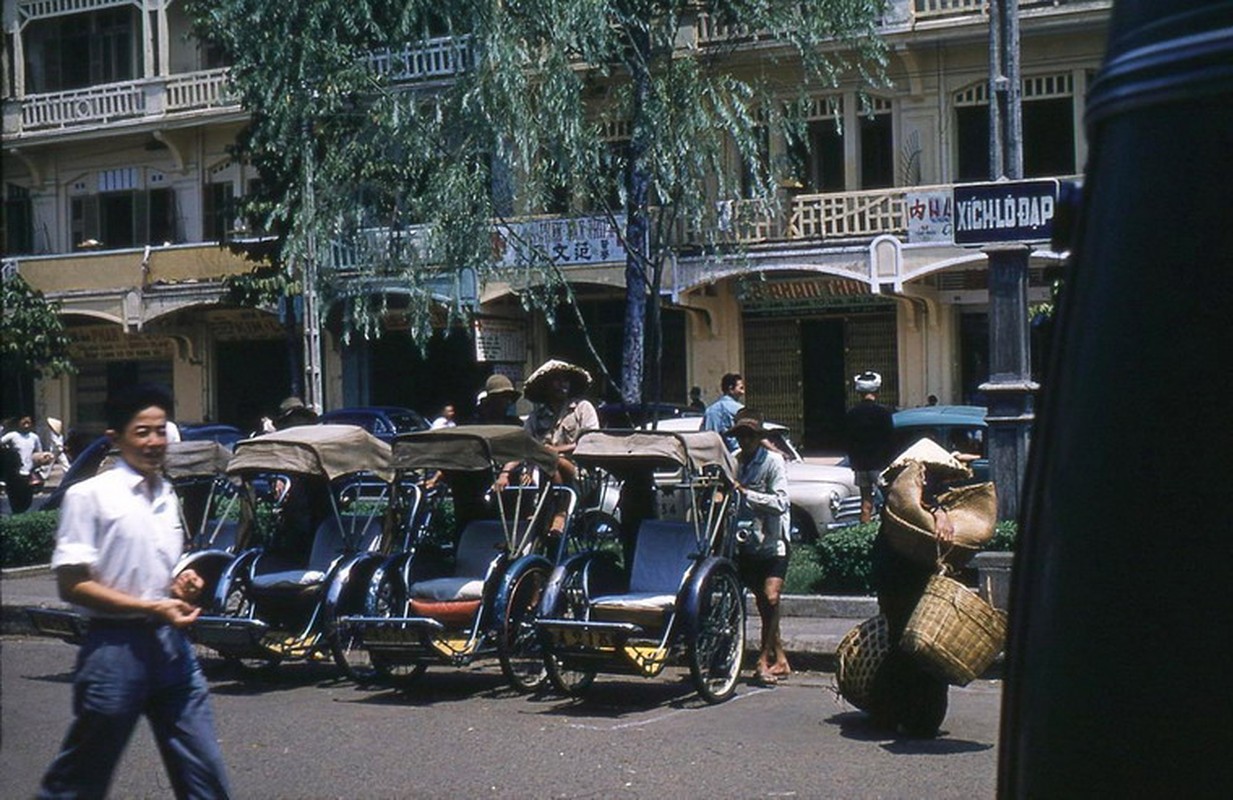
column 927, row 528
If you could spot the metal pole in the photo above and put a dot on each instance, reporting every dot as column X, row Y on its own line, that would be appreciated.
column 312, row 326
column 997, row 83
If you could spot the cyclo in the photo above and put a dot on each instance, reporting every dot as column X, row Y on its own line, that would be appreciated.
column 209, row 513
column 317, row 504
column 475, row 595
column 679, row 598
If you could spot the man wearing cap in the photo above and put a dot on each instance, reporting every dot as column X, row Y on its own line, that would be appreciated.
column 293, row 412
column 869, row 431
column 494, row 405
column 764, row 520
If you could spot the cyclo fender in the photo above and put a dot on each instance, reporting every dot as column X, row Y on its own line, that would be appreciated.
column 515, row 571
column 240, row 567
column 692, row 594
column 209, row 564
column 556, row 581
column 349, row 583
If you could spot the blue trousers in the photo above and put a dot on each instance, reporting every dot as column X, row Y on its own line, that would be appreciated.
column 123, row 672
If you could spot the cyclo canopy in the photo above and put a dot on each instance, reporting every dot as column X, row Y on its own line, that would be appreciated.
column 185, row 459
column 328, row 450
column 470, row 448
column 619, row 451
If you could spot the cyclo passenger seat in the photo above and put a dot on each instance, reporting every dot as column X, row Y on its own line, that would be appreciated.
column 329, row 542
column 456, row 598
column 662, row 556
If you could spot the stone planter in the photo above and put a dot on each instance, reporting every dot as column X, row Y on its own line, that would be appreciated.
column 993, row 577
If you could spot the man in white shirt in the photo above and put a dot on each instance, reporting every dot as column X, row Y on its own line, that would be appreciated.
column 21, row 483
column 118, row 542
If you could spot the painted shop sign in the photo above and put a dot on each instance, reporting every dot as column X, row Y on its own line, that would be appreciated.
column 500, row 340
column 110, row 343
column 930, row 217
column 1008, row 211
column 573, row 241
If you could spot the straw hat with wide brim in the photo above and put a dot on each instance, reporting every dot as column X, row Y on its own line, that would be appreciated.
column 746, row 425
column 536, row 386
column 56, row 426
column 498, row 386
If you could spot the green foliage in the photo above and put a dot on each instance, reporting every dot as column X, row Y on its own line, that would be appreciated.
column 27, row 539
column 32, row 337
column 1004, row 537
column 844, row 556
column 605, row 101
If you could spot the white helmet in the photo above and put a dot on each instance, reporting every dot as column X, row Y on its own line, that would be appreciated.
column 867, row 382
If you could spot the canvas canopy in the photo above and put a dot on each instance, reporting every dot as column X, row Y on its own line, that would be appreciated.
column 616, row 450
column 191, row 459
column 470, row 448
column 329, row 450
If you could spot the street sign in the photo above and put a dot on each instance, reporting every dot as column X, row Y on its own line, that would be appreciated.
column 1008, row 211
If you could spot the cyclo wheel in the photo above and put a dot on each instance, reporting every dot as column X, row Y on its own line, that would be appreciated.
column 521, row 656
column 715, row 651
column 237, row 604
column 565, row 679
column 357, row 662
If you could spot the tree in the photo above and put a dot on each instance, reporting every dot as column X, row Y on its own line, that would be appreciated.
column 609, row 102
column 32, row 338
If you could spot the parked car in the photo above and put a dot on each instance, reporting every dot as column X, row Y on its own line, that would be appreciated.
column 961, row 428
column 384, row 422
column 626, row 415
column 824, row 496
column 87, row 462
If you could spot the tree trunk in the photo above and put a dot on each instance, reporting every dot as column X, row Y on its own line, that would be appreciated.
column 637, row 189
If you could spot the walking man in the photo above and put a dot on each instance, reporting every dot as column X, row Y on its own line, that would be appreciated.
column 870, row 435
column 720, row 415
column 118, row 541
column 22, row 481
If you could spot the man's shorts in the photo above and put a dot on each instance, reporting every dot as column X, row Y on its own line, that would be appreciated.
column 754, row 570
column 867, row 478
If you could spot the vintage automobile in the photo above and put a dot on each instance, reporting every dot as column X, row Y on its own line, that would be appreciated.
column 678, row 598
column 384, row 422
column 475, row 595
column 209, row 509
column 957, row 428
column 824, row 496
column 317, row 518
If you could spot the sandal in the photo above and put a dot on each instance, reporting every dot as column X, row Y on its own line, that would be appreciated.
column 765, row 680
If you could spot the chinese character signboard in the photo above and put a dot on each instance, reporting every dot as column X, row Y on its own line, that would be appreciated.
column 1014, row 211
column 563, row 241
column 500, row 340
column 930, row 217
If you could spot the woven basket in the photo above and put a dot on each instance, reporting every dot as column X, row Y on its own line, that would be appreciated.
column 859, row 655
column 953, row 633
column 910, row 527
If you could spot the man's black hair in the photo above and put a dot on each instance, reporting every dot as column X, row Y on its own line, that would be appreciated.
column 128, row 402
column 728, row 382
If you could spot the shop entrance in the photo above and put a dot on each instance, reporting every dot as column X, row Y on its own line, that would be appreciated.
column 822, row 381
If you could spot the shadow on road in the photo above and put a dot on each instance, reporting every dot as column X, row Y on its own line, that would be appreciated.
column 857, row 725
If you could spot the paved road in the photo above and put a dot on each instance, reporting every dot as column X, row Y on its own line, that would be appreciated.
column 304, row 733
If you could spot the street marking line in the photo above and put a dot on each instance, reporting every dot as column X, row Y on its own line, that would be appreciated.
column 644, row 722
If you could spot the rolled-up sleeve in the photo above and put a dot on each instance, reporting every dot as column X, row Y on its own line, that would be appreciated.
column 76, row 542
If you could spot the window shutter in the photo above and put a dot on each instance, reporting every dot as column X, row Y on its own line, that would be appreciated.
column 141, row 217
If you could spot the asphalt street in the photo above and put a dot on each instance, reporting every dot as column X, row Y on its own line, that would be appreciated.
column 302, row 732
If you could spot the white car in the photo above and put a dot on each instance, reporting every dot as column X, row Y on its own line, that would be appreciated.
column 824, row 497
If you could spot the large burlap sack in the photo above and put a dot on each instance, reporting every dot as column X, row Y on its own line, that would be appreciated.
column 910, row 525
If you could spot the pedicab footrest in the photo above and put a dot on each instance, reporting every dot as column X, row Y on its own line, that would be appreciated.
column 588, row 634
column 230, row 636
column 391, row 632
column 60, row 623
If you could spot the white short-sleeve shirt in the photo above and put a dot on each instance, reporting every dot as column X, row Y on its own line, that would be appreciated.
column 129, row 541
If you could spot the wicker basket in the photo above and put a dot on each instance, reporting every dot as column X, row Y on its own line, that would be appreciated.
column 953, row 633
column 859, row 655
column 910, row 527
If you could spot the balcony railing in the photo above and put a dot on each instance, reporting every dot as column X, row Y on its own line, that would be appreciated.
column 110, row 102
column 441, row 57
column 94, row 105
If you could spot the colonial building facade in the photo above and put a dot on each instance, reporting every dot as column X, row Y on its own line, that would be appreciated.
column 120, row 198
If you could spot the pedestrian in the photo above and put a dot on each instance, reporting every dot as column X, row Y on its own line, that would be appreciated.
column 445, row 419
column 494, row 405
column 55, row 436
column 560, row 416
column 869, row 431
column 21, row 477
column 764, row 521
column 720, row 415
column 292, row 412
column 118, row 540
column 695, row 399
column 904, row 694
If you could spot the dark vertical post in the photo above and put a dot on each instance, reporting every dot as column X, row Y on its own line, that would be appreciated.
column 1117, row 679
column 1010, row 388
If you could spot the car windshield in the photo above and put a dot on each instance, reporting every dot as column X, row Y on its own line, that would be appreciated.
column 407, row 421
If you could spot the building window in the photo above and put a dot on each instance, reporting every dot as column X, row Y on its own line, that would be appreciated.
column 78, row 50
column 218, row 210
column 132, row 218
column 877, row 145
column 1048, row 129
column 754, row 171
column 17, row 226
column 816, row 152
